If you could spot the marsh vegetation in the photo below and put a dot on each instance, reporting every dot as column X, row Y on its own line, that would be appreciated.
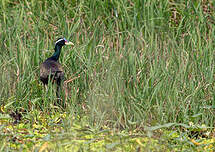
column 140, row 76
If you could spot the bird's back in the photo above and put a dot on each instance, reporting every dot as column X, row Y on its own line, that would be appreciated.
column 51, row 68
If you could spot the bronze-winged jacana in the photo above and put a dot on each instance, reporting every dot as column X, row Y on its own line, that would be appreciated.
column 52, row 69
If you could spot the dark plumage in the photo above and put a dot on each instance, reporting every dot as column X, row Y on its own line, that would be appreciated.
column 51, row 68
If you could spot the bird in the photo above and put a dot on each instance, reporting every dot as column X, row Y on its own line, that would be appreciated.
column 51, row 70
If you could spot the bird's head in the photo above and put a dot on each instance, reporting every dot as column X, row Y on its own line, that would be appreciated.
column 62, row 42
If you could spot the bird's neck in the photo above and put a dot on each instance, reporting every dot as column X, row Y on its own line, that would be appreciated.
column 56, row 54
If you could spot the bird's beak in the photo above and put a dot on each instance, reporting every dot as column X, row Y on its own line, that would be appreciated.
column 69, row 43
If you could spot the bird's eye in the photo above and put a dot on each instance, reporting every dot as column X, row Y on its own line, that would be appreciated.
column 65, row 40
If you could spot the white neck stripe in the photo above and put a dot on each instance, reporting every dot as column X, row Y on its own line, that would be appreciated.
column 58, row 41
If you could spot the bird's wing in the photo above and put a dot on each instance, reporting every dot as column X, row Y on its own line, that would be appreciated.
column 50, row 67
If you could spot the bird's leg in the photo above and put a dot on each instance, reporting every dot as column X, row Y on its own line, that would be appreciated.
column 58, row 91
column 59, row 79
